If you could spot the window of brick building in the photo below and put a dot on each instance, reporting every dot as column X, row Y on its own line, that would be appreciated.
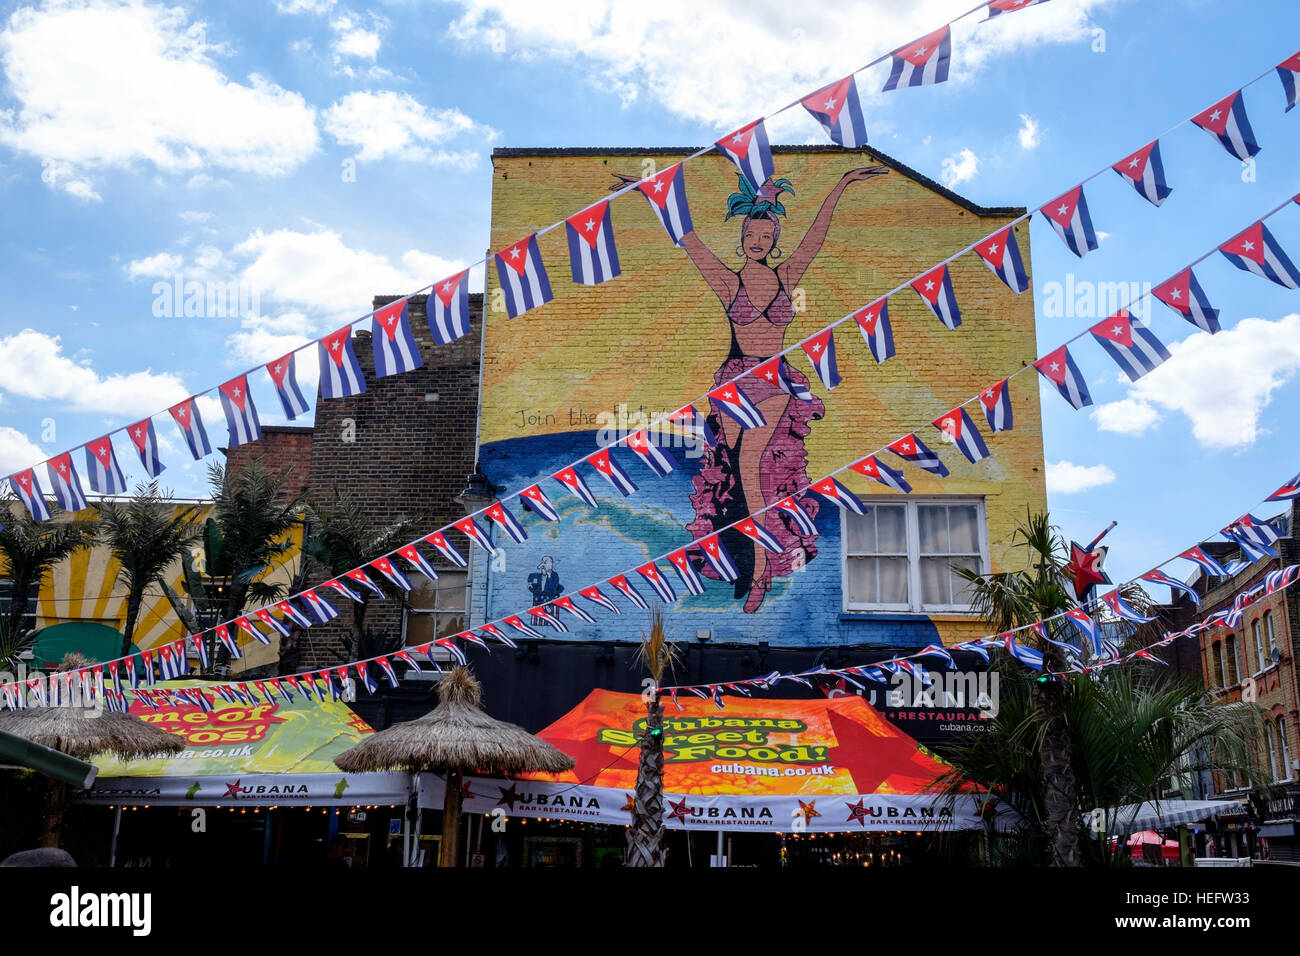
column 1268, row 634
column 1283, row 749
column 1261, row 660
column 1231, row 671
column 1216, row 672
column 435, row 609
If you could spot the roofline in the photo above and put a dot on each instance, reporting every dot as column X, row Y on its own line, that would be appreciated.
column 512, row 152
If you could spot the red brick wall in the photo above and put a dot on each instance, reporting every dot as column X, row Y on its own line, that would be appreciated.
column 281, row 446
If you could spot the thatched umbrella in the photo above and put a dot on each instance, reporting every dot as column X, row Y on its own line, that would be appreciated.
column 455, row 738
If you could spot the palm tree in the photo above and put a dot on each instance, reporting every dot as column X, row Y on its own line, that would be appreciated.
column 145, row 533
column 31, row 549
column 645, row 838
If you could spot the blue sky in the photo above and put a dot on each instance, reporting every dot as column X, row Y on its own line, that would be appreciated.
column 320, row 151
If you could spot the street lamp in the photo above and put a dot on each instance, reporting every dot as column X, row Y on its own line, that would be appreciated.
column 479, row 492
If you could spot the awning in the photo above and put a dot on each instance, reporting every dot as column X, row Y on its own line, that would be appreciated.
column 1168, row 813
column 759, row 765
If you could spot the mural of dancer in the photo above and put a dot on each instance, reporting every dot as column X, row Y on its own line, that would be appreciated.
column 750, row 469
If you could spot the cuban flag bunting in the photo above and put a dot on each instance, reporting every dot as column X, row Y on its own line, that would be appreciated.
column 1287, row 71
column 776, row 371
column 506, row 521
column 1250, row 549
column 593, row 258
column 446, row 549
column 1281, row 578
column 625, row 587
column 650, row 453
column 1086, row 627
column 536, row 501
column 756, row 532
column 876, row 470
column 719, row 558
column 409, row 659
column 666, row 193
column 934, row 650
column 517, row 623
column 1121, row 608
column 494, row 632
column 910, row 448
column 1025, row 655
column 340, row 372
column 730, row 399
column 694, row 423
column 1159, row 577
column 387, row 667
column 334, row 584
column 748, row 148
column 418, row 561
column 145, row 440
column 546, row 617
column 1001, row 253
column 1145, row 172
column 833, row 491
column 266, row 617
column 201, row 650
column 102, row 467
column 1227, row 122
column 248, row 627
column 1252, row 529
column 974, row 648
column 241, row 413
column 595, row 595
column 657, row 581
column 797, row 516
column 318, row 607
column 522, row 277
column 1133, row 346
column 873, row 323
column 958, row 428
column 604, row 463
column 1184, row 295
column 28, row 490
column 393, row 341
column 470, row 528
column 1058, row 368
column 1068, row 216
column 1255, row 250
column 1040, row 628
column 996, row 401
column 187, row 418
column 66, row 484
column 999, row 7
column 284, row 376
column 565, row 603
column 922, row 62
column 363, row 671
column 291, row 611
column 167, row 662
column 227, row 640
column 570, row 478
column 1288, row 492
column 935, row 290
column 448, row 309
column 392, row 572
column 820, row 350
column 839, row 111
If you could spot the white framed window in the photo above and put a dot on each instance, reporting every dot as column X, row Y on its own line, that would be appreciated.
column 899, row 555
column 1286, row 752
column 1261, row 661
column 1216, row 651
column 1268, row 634
column 435, row 609
column 1271, row 741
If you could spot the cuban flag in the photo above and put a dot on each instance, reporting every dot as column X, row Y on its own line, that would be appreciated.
column 876, row 470
column 922, row 62
column 518, row 624
column 796, row 515
column 318, row 607
column 910, row 448
column 241, row 413
column 837, row 108
column 1001, row 253
column 935, row 290
column 292, row 612
column 470, row 528
column 1121, row 608
column 66, row 484
column 1086, row 627
column 200, row 651
column 359, row 576
column 934, row 650
column 393, row 341
column 604, row 463
column 666, row 193
column 1025, row 655
column 820, row 350
column 1287, row 71
column 506, row 521
column 448, row 309
column 171, row 661
column 145, row 440
column 621, row 584
column 244, row 624
column 446, row 549
column 266, row 617
column 1159, row 577
column 392, row 572
column 1226, row 121
column 1252, row 544
column 1288, row 492
column 974, row 648
column 340, row 372
column 650, row 453
column 418, row 561
column 284, row 377
column 594, row 594
column 1206, row 563
column 1281, row 578
column 187, row 418
column 996, row 401
column 832, row 490
column 1058, row 368
column 694, row 423
column 999, row 7
column 363, row 672
column 101, row 465
column 686, row 571
column 1184, row 295
column 409, row 659
column 227, row 640
column 387, row 667
column 536, row 501
column 657, row 581
column 1131, row 344
column 1256, row 532
column 719, row 558
column 545, row 616
column 776, row 371
column 748, row 148
column 570, row 478
column 730, row 399
column 1145, row 172
column 1255, row 250
column 873, row 323
column 1068, row 215
column 28, row 491
column 491, row 630
column 958, row 428
column 756, row 532
column 522, row 277
column 593, row 258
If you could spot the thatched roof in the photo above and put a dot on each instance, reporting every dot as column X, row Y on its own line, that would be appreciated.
column 455, row 736
column 83, row 733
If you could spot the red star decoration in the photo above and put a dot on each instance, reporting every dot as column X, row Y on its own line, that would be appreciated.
column 631, row 803
column 508, row 796
column 233, row 790
column 681, row 811
column 808, row 810
column 1085, row 569
column 857, row 812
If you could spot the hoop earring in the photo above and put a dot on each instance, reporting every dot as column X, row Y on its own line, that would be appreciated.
column 776, row 253
column 740, row 252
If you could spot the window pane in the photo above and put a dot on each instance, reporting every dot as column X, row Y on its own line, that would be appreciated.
column 452, row 590
column 860, row 532
column 893, row 580
column 963, row 529
column 961, row 588
column 934, row 581
column 933, row 522
column 1268, row 628
column 891, row 528
column 861, row 573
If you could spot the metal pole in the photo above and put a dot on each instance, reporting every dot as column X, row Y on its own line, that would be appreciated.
column 720, row 851
column 112, row 846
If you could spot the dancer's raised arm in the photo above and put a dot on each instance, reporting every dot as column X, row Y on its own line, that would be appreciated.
column 721, row 280
column 811, row 244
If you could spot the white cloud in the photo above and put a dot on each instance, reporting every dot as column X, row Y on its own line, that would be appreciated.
column 192, row 215
column 354, row 40
column 162, row 265
column 102, row 85
column 388, row 123
column 1028, row 132
column 1067, row 478
column 17, row 451
column 304, row 6
column 1128, row 416
column 959, row 168
column 266, row 337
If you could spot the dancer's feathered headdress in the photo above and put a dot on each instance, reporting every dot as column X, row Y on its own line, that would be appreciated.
column 764, row 201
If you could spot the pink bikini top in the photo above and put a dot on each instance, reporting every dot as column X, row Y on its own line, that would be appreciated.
column 780, row 312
